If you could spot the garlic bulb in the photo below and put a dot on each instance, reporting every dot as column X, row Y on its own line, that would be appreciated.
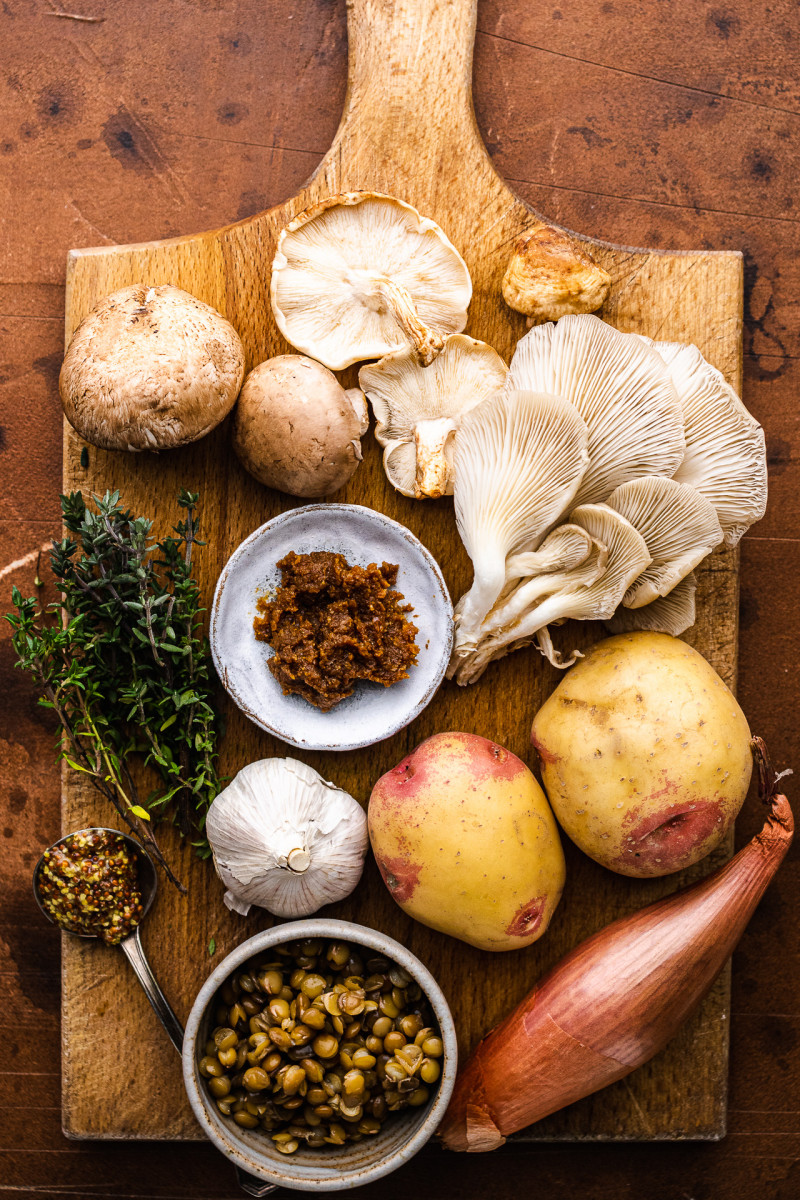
column 285, row 839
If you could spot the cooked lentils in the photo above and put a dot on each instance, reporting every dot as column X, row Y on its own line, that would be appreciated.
column 319, row 1043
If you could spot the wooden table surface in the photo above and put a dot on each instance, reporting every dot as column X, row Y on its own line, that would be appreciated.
column 672, row 124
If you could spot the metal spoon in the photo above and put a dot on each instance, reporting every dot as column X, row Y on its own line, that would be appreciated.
column 131, row 946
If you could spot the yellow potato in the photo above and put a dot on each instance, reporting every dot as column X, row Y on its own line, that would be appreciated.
column 645, row 754
column 466, row 842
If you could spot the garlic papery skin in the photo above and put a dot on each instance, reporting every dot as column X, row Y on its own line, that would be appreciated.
column 285, row 839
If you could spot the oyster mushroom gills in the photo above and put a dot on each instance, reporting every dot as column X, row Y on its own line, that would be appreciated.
column 673, row 613
column 362, row 274
column 621, row 388
column 660, row 433
column 725, row 455
column 550, row 275
column 150, row 368
column 507, row 493
column 285, row 839
column 679, row 526
column 296, row 429
column 418, row 409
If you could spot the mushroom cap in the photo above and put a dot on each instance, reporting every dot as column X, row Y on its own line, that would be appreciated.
column 674, row 613
column 679, row 526
column 519, row 460
column 406, row 396
column 725, row 455
column 296, row 429
column 621, row 388
column 331, row 262
column 550, row 274
column 150, row 368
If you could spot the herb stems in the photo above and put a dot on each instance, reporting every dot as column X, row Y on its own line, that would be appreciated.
column 122, row 661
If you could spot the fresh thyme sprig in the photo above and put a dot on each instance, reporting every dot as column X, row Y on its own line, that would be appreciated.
column 123, row 662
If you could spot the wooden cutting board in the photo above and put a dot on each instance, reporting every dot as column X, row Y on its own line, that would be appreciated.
column 408, row 129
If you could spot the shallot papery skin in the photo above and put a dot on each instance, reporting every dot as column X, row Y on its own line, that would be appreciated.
column 617, row 998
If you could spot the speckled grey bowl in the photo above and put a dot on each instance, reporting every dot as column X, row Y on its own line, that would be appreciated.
column 334, row 1168
column 363, row 536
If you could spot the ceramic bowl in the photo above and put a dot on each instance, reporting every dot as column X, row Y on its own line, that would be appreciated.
column 363, row 536
column 334, row 1168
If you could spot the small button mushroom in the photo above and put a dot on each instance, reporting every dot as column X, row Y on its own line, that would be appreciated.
column 150, row 368
column 550, row 274
column 296, row 429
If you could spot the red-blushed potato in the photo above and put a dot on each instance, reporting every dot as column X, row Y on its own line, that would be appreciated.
column 466, row 842
column 645, row 754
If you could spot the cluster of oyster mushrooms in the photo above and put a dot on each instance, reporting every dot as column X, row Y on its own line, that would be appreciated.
column 589, row 478
column 593, row 484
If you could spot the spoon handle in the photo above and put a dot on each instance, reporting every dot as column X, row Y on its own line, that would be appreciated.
column 133, row 951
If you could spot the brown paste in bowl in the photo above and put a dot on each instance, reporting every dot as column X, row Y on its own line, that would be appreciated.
column 332, row 624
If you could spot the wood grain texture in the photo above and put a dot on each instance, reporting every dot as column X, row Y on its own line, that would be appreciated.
column 408, row 129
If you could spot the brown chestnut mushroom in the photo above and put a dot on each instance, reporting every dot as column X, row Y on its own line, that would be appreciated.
column 551, row 275
column 296, row 429
column 150, row 368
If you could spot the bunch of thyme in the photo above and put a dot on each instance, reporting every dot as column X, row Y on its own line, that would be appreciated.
column 123, row 662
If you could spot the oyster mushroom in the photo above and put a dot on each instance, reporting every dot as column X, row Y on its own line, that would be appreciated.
column 524, row 596
column 571, row 597
column 550, row 274
column 679, row 526
column 150, row 368
column 362, row 274
column 418, row 409
column 508, row 492
column 566, row 547
column 674, row 613
column 725, row 456
column 296, row 429
column 621, row 388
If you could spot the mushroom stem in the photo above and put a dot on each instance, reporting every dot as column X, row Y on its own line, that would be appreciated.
column 425, row 342
column 298, row 860
column 430, row 438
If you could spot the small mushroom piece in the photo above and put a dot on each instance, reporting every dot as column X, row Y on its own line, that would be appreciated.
column 725, row 455
column 550, row 275
column 622, row 389
column 674, row 613
column 150, row 368
column 296, row 429
column 519, row 460
column 679, row 526
column 418, row 409
column 362, row 274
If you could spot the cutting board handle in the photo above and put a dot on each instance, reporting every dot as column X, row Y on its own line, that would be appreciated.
column 409, row 86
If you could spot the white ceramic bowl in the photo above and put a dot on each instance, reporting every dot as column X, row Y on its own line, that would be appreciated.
column 334, row 1168
column 363, row 536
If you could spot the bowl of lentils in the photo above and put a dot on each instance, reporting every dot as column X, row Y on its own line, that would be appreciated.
column 320, row 1055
